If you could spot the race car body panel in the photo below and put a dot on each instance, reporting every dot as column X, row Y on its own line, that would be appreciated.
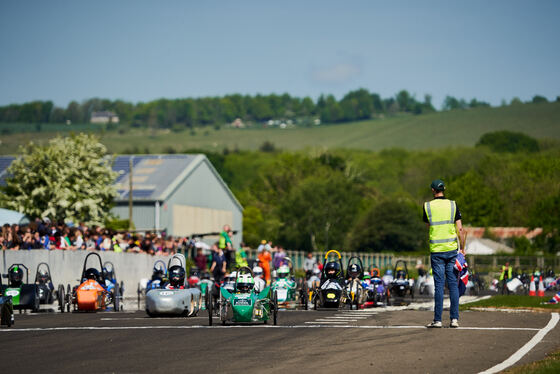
column 173, row 301
column 90, row 296
column 286, row 290
column 24, row 297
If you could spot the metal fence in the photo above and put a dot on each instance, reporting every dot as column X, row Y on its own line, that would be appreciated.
column 525, row 263
column 369, row 260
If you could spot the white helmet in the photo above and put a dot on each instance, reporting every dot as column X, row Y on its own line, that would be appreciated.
column 245, row 283
column 283, row 271
column 258, row 271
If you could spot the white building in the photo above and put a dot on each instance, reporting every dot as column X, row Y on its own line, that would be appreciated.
column 104, row 117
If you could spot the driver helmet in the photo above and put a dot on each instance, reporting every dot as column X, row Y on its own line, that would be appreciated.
column 258, row 271
column 245, row 283
column 375, row 272
column 231, row 277
column 108, row 273
column 15, row 276
column 400, row 274
column 176, row 276
column 283, row 271
column 332, row 269
column 367, row 276
column 389, row 272
column 354, row 270
column 43, row 277
column 93, row 274
column 158, row 274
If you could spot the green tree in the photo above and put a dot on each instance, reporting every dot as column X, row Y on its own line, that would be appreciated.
column 508, row 141
column 318, row 212
column 392, row 225
column 69, row 180
column 539, row 99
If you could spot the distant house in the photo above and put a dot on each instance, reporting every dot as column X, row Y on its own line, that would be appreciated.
column 104, row 117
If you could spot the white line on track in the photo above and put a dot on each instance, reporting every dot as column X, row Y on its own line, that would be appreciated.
column 354, row 315
column 527, row 347
column 343, row 317
column 326, row 322
column 335, row 320
column 150, row 318
column 308, row 325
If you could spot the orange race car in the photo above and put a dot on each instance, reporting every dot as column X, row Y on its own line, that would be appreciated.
column 95, row 292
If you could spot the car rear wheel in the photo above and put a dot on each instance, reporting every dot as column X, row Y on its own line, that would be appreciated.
column 116, row 298
column 209, row 306
column 304, row 298
column 61, row 296
column 275, row 306
column 68, row 298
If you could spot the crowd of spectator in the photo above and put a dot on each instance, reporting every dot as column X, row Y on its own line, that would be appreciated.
column 44, row 234
column 219, row 259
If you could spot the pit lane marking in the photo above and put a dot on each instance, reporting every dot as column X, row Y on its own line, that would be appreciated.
column 311, row 325
column 518, row 355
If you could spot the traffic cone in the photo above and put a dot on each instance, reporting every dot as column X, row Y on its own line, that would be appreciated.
column 532, row 291
column 541, row 287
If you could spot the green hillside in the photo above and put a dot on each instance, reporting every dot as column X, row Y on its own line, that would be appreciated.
column 437, row 130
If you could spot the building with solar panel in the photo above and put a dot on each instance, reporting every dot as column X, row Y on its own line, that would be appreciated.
column 181, row 194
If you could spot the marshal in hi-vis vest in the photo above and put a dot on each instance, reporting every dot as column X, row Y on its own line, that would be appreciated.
column 443, row 234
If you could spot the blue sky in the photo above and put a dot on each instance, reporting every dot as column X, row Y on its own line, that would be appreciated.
column 142, row 50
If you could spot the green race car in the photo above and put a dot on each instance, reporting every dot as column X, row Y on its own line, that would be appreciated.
column 244, row 304
column 24, row 295
column 287, row 290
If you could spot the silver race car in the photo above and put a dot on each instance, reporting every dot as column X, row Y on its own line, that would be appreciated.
column 175, row 298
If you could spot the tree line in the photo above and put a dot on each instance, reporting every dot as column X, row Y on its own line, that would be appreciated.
column 372, row 201
column 215, row 111
column 331, row 199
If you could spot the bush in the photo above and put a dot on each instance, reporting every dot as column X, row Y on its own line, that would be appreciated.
column 508, row 141
column 267, row 147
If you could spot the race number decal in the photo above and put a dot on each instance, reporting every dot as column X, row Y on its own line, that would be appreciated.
column 242, row 302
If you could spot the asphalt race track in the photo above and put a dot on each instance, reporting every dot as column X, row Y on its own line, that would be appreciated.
column 373, row 340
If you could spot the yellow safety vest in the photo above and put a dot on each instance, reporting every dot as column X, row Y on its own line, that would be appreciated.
column 443, row 234
column 509, row 270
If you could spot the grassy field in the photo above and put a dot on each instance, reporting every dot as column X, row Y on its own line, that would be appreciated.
column 512, row 301
column 550, row 365
column 437, row 130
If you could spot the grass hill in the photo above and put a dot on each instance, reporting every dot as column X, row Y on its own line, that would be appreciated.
column 429, row 131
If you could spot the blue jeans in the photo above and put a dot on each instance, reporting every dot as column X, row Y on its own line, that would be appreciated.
column 442, row 268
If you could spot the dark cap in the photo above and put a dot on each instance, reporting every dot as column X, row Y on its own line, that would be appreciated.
column 438, row 185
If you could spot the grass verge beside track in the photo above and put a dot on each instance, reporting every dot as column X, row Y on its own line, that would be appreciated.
column 550, row 365
column 513, row 302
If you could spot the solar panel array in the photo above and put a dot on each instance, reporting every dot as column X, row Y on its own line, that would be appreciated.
column 152, row 173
